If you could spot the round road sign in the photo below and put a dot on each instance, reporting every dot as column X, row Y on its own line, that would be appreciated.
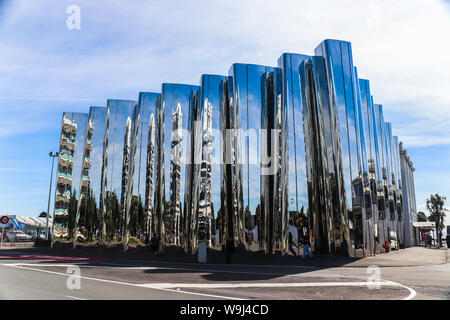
column 4, row 220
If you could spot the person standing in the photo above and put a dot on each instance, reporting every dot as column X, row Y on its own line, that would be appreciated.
column 306, row 248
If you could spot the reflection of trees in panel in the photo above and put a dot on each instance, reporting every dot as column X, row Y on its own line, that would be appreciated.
column 149, row 184
column 69, row 163
column 112, row 216
column 205, row 209
column 173, row 222
column 125, row 177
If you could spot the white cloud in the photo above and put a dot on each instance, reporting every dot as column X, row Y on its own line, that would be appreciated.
column 127, row 46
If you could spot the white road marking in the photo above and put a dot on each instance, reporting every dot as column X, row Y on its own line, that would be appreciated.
column 118, row 282
column 264, row 285
column 170, row 286
column 76, row 298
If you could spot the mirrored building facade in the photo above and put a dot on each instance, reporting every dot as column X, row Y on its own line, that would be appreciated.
column 252, row 160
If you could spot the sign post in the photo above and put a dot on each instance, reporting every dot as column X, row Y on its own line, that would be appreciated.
column 3, row 220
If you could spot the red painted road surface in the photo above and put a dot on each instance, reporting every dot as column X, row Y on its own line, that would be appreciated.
column 47, row 257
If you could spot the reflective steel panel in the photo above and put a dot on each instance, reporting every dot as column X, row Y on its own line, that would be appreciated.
column 340, row 74
column 210, row 200
column 70, row 164
column 367, row 212
column 178, row 106
column 274, row 166
column 383, row 191
column 141, row 205
column 118, row 165
column 373, row 170
column 319, row 123
column 396, row 233
column 399, row 198
column 297, row 194
column 248, row 86
column 90, row 221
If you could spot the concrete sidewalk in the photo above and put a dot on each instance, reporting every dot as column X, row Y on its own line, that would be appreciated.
column 409, row 257
column 415, row 256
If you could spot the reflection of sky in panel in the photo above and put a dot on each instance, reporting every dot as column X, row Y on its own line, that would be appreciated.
column 80, row 119
column 389, row 149
column 172, row 95
column 397, row 160
column 147, row 107
column 360, row 122
column 365, row 96
column 384, row 142
column 291, row 96
column 238, row 72
column 119, row 112
column 377, row 142
column 335, row 56
column 97, row 117
column 296, row 60
column 211, row 95
column 349, row 100
column 251, row 121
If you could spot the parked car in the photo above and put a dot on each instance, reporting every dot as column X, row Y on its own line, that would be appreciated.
column 18, row 235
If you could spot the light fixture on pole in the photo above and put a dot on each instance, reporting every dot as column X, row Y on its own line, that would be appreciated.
column 51, row 154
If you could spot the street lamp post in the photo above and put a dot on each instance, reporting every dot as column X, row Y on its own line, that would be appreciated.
column 51, row 154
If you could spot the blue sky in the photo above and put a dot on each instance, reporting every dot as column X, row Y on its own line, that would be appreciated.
column 124, row 47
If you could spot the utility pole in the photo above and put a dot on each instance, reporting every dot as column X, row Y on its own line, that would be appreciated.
column 51, row 154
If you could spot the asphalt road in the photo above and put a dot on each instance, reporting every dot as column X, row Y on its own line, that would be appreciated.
column 55, row 278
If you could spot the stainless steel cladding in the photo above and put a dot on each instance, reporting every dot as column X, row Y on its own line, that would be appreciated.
column 70, row 164
column 174, row 176
column 257, row 160
column 90, row 222
column 210, row 202
column 118, row 167
column 141, row 207
column 297, row 190
column 348, row 230
column 256, row 112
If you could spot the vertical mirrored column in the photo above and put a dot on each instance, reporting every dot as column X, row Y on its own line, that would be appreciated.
column 118, row 165
column 70, row 163
column 408, row 195
column 367, row 212
column 369, row 134
column 399, row 198
column 394, row 189
column 90, row 220
column 297, row 194
column 340, row 72
column 177, row 113
column 246, row 96
column 273, row 154
column 210, row 203
column 141, row 204
column 383, row 191
column 319, row 126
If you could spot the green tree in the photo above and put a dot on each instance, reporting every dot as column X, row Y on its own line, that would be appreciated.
column 421, row 216
column 248, row 218
column 43, row 214
column 435, row 205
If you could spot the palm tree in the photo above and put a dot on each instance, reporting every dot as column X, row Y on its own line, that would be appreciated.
column 435, row 205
